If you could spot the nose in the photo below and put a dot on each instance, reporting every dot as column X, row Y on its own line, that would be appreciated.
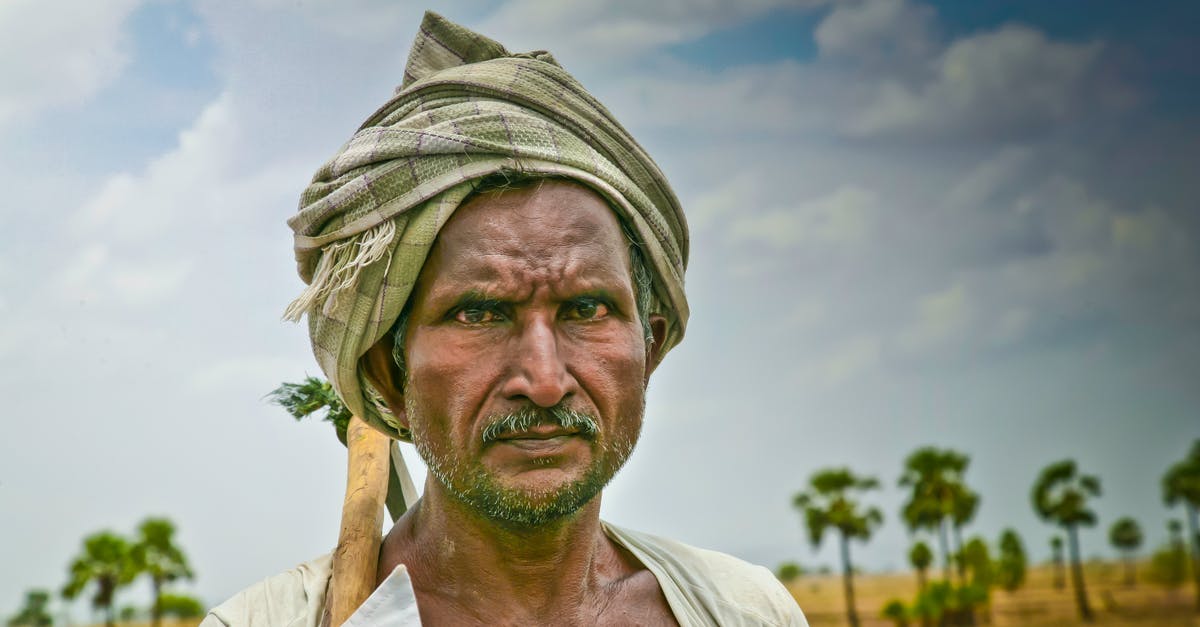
column 539, row 372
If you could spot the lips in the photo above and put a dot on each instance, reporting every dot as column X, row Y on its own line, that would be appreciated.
column 539, row 445
column 538, row 432
column 541, row 439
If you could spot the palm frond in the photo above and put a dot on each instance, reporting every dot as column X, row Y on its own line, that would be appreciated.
column 309, row 397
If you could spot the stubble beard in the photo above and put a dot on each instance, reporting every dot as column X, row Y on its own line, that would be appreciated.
column 468, row 481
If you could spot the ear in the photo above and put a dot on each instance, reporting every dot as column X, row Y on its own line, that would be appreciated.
column 654, row 354
column 381, row 370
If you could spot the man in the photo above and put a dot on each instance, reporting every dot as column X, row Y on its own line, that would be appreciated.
column 495, row 269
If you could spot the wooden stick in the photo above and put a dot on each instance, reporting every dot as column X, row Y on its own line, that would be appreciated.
column 356, row 560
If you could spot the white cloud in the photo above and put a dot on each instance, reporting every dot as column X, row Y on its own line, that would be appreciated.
column 361, row 20
column 1095, row 261
column 143, row 285
column 940, row 318
column 888, row 32
column 76, row 279
column 1008, row 80
column 137, row 207
column 206, row 182
column 58, row 54
column 254, row 372
column 1147, row 232
column 737, row 191
column 1012, row 325
column 849, row 360
column 94, row 275
column 991, row 178
column 595, row 33
column 844, row 217
column 778, row 98
column 882, row 72
column 1107, row 252
column 806, row 315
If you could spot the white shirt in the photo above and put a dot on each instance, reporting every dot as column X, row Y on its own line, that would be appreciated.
column 702, row 588
column 393, row 603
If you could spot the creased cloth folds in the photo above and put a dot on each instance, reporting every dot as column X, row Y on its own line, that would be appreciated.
column 467, row 108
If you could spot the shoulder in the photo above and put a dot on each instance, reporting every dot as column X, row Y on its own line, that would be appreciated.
column 730, row 590
column 294, row 598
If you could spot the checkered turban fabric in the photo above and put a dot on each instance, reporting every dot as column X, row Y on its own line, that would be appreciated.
column 467, row 108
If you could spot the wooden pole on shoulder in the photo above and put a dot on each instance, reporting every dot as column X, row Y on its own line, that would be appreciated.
column 356, row 560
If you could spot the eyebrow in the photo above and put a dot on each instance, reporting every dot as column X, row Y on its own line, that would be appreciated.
column 476, row 298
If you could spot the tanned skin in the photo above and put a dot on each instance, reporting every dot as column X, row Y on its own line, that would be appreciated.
column 525, row 300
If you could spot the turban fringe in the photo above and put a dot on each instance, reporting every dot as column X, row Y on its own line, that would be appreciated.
column 466, row 109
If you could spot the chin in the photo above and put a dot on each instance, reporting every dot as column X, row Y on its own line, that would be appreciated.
column 531, row 503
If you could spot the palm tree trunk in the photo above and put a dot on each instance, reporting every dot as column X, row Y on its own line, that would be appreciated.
column 945, row 549
column 961, row 568
column 920, row 591
column 156, row 609
column 1195, row 533
column 107, row 596
column 958, row 554
column 1129, row 574
column 1085, row 612
column 848, row 580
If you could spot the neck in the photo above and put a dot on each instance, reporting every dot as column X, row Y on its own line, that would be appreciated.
column 488, row 569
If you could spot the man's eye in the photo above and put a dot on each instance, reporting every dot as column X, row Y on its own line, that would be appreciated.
column 476, row 316
column 587, row 309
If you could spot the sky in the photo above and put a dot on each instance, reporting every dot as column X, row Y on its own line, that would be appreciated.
column 962, row 225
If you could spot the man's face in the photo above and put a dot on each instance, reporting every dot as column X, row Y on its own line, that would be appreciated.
column 525, row 309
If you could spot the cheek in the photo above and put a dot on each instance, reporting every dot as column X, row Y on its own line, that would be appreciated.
column 436, row 355
column 615, row 372
column 447, row 376
column 629, row 356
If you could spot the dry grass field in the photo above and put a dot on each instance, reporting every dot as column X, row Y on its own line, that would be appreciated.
column 1037, row 604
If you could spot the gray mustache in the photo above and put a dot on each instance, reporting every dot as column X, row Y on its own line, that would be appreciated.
column 529, row 417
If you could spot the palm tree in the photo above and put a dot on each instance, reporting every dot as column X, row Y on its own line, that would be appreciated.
column 311, row 396
column 978, row 560
column 920, row 556
column 34, row 613
column 939, row 497
column 828, row 503
column 1010, row 567
column 1168, row 564
column 789, row 572
column 966, row 503
column 1060, row 497
column 1126, row 536
column 106, row 561
column 181, row 606
column 895, row 611
column 922, row 513
column 156, row 554
column 1175, row 530
column 1181, row 484
column 1056, row 557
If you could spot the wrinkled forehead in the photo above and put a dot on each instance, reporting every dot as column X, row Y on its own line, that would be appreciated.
column 547, row 210
column 553, row 227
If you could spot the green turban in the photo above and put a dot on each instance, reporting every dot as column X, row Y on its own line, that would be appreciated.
column 467, row 108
